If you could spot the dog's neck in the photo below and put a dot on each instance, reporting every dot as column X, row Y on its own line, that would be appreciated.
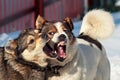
column 11, row 63
column 22, row 70
column 72, row 67
column 69, row 68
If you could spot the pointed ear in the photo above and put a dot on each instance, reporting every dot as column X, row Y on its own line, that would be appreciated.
column 11, row 47
column 69, row 22
column 39, row 22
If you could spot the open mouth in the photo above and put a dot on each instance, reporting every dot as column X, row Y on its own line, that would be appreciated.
column 58, row 52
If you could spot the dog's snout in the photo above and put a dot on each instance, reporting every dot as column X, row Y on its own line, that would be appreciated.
column 62, row 37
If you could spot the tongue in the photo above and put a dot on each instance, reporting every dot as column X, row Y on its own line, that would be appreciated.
column 62, row 54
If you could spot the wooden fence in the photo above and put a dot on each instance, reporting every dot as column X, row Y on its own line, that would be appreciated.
column 20, row 14
column 59, row 9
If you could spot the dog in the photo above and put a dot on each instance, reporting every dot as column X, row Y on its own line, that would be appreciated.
column 82, row 57
column 23, row 58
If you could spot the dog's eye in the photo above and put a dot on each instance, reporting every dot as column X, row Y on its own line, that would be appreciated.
column 65, row 30
column 31, row 41
column 51, row 33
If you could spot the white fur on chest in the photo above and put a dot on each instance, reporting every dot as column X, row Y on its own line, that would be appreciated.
column 71, row 71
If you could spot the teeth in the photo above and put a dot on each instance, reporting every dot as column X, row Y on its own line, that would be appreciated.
column 58, row 44
column 47, row 40
column 55, row 52
column 61, row 43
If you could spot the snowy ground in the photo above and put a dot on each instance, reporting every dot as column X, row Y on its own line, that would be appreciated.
column 112, row 45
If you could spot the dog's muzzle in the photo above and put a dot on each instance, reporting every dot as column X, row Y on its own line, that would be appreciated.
column 59, row 49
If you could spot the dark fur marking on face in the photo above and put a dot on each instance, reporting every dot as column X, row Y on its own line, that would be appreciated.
column 48, row 30
column 68, row 31
column 69, row 23
column 21, row 41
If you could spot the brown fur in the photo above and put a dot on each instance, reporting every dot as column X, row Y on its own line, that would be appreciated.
column 10, row 68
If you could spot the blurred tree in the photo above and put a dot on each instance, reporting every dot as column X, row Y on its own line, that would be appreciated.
column 111, row 6
column 106, row 4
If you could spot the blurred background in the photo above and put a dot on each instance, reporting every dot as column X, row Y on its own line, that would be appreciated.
column 16, row 15
column 20, row 14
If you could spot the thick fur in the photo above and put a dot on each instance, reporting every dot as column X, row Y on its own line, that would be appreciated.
column 85, row 58
column 20, row 58
column 97, row 24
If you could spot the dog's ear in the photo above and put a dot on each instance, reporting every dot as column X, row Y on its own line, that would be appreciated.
column 39, row 22
column 11, row 47
column 69, row 22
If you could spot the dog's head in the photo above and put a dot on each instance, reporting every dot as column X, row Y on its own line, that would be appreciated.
column 27, row 49
column 60, row 38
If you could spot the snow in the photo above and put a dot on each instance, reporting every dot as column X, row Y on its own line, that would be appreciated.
column 112, row 44
column 4, row 37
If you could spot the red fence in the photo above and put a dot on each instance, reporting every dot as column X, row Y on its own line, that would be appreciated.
column 16, row 15
column 59, row 9
column 20, row 14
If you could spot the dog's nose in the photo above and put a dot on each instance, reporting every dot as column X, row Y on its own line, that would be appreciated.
column 62, row 37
